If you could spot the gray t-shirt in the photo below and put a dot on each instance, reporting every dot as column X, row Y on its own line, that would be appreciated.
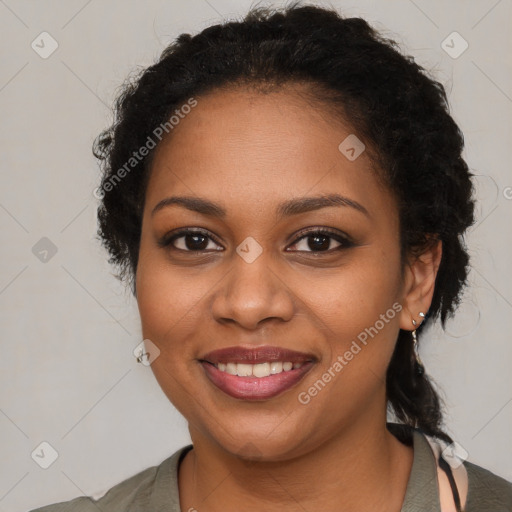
column 155, row 489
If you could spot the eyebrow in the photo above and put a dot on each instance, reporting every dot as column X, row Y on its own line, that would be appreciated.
column 290, row 207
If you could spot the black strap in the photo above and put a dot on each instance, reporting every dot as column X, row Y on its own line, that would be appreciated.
column 448, row 470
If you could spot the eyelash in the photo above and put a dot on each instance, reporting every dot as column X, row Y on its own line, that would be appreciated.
column 167, row 240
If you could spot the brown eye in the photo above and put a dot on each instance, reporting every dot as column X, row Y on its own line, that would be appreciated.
column 321, row 241
column 189, row 240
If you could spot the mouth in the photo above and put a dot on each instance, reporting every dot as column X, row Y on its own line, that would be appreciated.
column 257, row 373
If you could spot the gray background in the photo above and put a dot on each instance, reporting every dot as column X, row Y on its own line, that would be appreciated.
column 68, row 327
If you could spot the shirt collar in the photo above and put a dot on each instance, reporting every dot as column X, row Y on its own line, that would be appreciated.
column 421, row 495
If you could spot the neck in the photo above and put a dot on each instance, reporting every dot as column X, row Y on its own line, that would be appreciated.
column 363, row 468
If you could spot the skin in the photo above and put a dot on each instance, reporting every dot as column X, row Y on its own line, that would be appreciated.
column 249, row 152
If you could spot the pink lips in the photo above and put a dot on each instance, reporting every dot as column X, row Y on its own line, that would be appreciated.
column 255, row 388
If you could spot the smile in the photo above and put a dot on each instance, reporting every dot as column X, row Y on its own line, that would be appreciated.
column 257, row 373
column 257, row 370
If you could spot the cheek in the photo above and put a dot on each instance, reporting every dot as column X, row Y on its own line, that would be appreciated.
column 167, row 298
column 155, row 299
column 168, row 308
column 359, row 312
column 358, row 308
column 354, row 296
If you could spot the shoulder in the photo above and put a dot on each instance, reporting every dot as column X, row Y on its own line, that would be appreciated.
column 152, row 488
column 487, row 492
column 480, row 489
column 116, row 499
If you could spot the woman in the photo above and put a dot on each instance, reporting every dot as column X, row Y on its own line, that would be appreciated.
column 286, row 197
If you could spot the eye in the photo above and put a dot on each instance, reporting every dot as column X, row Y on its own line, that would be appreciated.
column 199, row 240
column 320, row 240
column 189, row 240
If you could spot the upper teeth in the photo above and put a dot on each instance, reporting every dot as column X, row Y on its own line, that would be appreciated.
column 257, row 370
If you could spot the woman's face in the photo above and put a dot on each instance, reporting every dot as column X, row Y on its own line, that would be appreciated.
column 260, row 275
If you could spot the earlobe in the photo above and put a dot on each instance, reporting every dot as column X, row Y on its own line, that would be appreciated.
column 419, row 284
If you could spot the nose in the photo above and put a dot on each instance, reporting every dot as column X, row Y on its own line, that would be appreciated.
column 252, row 293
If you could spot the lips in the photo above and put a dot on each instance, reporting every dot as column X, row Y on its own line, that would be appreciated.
column 239, row 372
column 256, row 355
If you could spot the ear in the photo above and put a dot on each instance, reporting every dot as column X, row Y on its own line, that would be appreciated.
column 419, row 282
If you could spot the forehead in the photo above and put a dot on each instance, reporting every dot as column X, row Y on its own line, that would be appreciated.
column 243, row 147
